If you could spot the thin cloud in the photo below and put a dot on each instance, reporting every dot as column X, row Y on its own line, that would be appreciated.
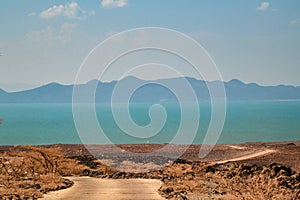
column 51, row 35
column 113, row 3
column 31, row 14
column 70, row 10
column 295, row 21
column 265, row 6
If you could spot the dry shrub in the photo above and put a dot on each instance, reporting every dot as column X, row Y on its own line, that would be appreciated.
column 31, row 171
column 230, row 181
column 70, row 167
column 133, row 167
column 253, row 182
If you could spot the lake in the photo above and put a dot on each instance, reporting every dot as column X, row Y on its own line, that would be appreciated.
column 246, row 121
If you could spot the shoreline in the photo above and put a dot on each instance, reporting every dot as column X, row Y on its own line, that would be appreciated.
column 194, row 144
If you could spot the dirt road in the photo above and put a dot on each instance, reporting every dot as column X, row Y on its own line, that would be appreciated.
column 114, row 189
column 246, row 157
column 125, row 189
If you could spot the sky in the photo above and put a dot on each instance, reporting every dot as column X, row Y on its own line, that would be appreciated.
column 46, row 41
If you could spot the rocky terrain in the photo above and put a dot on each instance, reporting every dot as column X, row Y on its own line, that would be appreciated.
column 259, row 170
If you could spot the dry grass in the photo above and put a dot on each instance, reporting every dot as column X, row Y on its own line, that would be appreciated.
column 252, row 182
column 27, row 172
column 231, row 181
column 30, row 171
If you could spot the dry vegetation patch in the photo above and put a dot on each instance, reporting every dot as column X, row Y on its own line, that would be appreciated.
column 29, row 171
column 230, row 181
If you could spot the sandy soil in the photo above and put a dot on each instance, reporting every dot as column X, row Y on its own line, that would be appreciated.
column 94, row 189
column 269, row 170
column 236, row 147
column 246, row 157
column 99, row 189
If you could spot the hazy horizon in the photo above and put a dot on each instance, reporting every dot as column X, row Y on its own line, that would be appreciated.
column 18, row 87
column 256, row 41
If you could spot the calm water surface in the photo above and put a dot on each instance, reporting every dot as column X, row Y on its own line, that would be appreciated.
column 245, row 121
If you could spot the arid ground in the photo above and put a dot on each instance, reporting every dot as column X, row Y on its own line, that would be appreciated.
column 243, row 171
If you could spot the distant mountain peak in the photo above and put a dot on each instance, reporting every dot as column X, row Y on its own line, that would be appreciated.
column 235, row 90
column 53, row 84
column 131, row 78
column 236, row 82
column 93, row 81
column 2, row 91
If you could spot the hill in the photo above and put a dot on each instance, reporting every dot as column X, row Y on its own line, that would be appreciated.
column 151, row 92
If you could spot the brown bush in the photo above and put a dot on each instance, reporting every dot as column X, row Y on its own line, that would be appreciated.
column 230, row 181
column 31, row 171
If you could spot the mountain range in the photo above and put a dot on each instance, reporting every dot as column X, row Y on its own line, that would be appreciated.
column 150, row 92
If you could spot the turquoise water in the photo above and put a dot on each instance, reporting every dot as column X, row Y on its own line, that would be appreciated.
column 253, row 121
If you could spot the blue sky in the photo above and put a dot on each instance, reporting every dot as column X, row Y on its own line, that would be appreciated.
column 46, row 41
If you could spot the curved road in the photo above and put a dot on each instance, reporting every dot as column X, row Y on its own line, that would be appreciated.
column 125, row 189
column 246, row 157
column 114, row 189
